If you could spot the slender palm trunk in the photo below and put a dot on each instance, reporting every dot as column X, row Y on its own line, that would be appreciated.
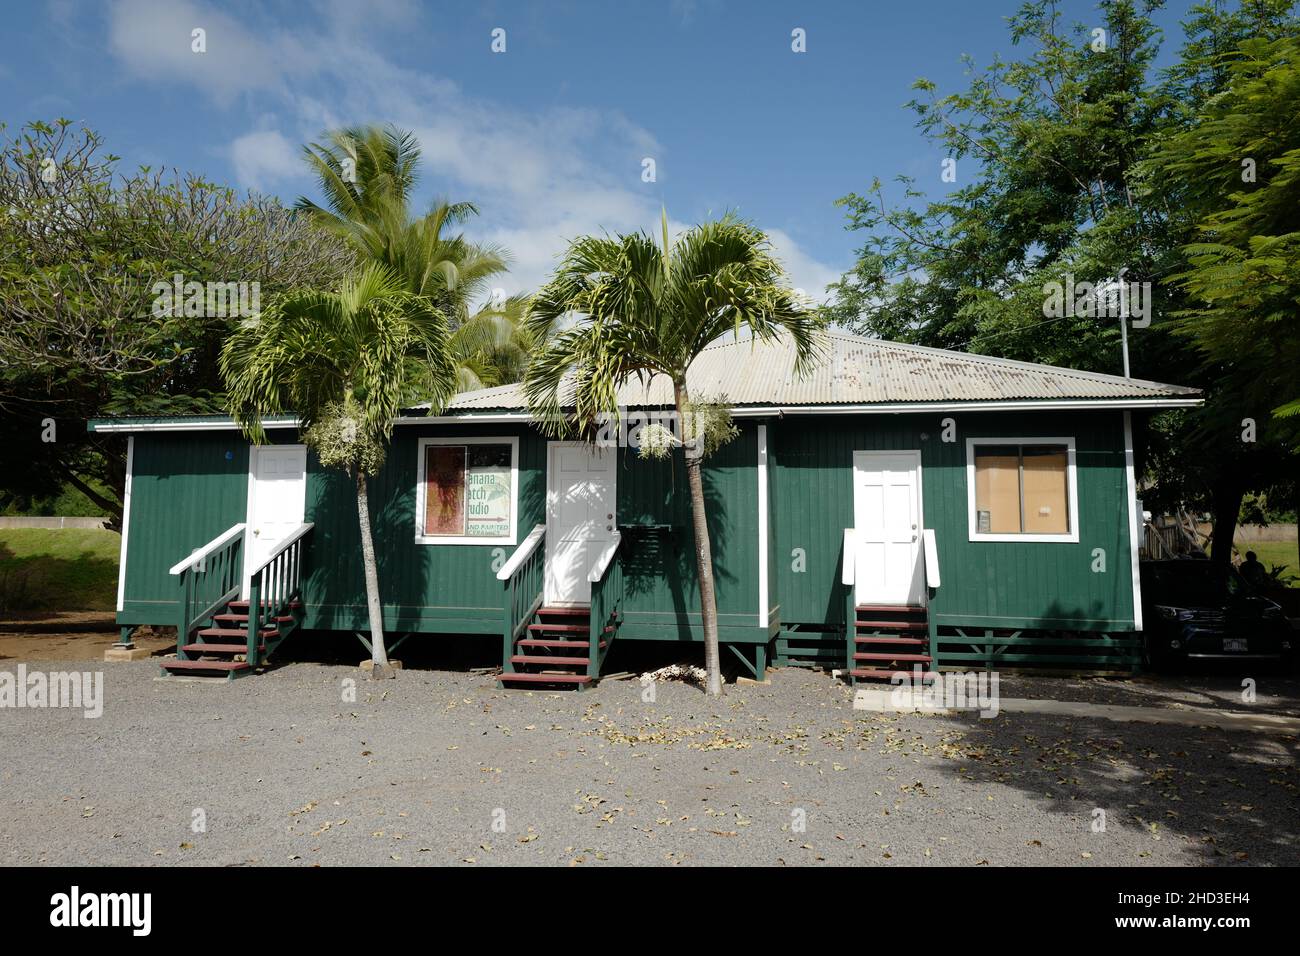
column 379, row 653
column 703, row 552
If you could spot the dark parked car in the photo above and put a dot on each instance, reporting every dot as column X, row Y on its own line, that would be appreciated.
column 1196, row 610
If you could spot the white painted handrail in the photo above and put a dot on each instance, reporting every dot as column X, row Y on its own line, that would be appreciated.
column 280, row 548
column 850, row 555
column 526, row 548
column 931, row 558
column 200, row 553
column 602, row 560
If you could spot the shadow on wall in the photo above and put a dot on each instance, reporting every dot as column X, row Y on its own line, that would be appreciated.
column 662, row 560
column 408, row 572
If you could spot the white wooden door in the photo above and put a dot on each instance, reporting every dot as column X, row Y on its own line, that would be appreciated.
column 887, row 517
column 277, row 500
column 580, row 518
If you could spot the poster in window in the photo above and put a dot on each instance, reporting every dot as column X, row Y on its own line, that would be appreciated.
column 444, row 490
column 488, row 493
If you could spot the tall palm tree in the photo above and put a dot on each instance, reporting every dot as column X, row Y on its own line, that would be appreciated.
column 367, row 175
column 346, row 363
column 643, row 309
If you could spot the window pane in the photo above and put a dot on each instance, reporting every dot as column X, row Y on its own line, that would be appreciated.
column 997, row 489
column 1047, row 508
column 488, row 494
column 444, row 489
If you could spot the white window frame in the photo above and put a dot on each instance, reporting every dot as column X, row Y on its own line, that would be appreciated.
column 1071, row 484
column 422, row 456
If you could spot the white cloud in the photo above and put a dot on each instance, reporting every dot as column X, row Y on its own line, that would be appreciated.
column 263, row 158
column 805, row 272
column 540, row 177
column 155, row 39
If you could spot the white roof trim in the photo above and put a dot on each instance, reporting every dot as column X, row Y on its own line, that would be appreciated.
column 743, row 411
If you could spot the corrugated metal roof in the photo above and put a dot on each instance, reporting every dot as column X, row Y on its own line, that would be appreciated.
column 855, row 370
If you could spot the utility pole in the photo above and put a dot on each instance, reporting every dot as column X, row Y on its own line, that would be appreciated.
column 1123, row 321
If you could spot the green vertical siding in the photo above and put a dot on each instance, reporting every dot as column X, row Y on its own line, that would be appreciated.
column 660, row 567
column 189, row 487
column 186, row 488
column 1047, row 585
column 434, row 587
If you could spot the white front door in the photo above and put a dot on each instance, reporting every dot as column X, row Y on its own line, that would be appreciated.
column 580, row 517
column 887, row 519
column 277, row 500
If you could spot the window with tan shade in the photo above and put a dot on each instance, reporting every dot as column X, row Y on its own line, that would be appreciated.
column 1021, row 489
column 1043, row 470
column 997, row 489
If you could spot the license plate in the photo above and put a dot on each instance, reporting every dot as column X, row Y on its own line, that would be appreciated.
column 1234, row 643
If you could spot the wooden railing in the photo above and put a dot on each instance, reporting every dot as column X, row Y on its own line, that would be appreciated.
column 210, row 577
column 607, row 593
column 274, row 587
column 848, row 577
column 931, row 550
column 522, row 576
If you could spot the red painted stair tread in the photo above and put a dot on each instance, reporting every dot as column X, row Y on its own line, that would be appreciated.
column 237, row 632
column 556, row 643
column 548, row 659
column 205, row 665
column 220, row 648
column 545, row 678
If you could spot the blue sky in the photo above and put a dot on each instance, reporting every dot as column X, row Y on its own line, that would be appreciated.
column 548, row 137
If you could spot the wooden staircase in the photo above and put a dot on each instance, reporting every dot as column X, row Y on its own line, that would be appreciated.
column 221, row 649
column 888, row 640
column 214, row 635
column 555, row 651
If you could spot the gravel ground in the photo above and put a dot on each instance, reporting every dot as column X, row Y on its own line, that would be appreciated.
column 1275, row 692
column 440, row 767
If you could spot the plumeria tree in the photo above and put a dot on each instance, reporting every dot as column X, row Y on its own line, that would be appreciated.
column 346, row 363
column 630, row 306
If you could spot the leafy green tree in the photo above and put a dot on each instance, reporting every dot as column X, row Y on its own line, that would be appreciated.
column 346, row 363
column 1232, row 173
column 366, row 176
column 624, row 307
column 82, row 247
column 1039, row 149
column 1055, row 183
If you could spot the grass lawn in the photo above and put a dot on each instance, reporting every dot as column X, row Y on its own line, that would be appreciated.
column 71, row 569
column 1273, row 552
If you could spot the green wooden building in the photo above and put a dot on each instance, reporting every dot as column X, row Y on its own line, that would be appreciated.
column 896, row 506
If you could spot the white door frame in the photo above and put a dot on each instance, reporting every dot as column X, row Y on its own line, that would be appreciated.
column 250, row 508
column 915, row 454
column 552, row 494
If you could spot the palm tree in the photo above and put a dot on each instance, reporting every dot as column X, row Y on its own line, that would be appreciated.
column 346, row 363
column 367, row 175
column 645, row 309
